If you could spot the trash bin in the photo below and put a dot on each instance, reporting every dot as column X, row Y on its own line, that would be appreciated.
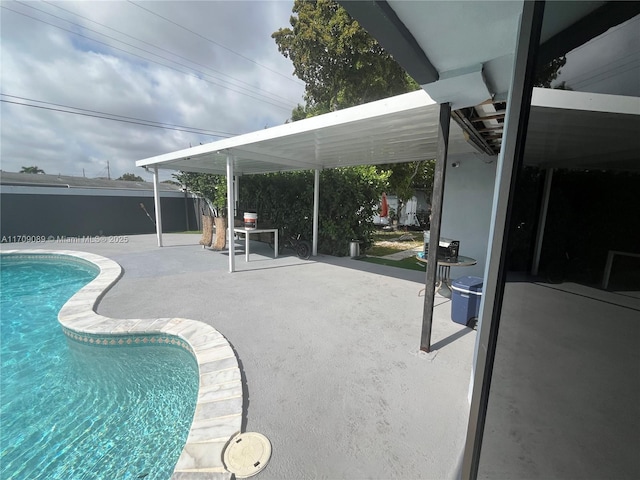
column 354, row 248
column 466, row 293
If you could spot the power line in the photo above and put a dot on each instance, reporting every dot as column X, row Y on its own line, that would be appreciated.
column 115, row 119
column 149, row 60
column 213, row 41
column 151, row 45
column 120, row 116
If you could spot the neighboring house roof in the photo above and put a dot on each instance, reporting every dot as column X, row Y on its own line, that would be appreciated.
column 64, row 181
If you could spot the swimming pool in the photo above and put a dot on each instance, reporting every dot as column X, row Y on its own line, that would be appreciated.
column 71, row 409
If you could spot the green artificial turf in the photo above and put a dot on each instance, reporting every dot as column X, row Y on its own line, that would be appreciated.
column 380, row 251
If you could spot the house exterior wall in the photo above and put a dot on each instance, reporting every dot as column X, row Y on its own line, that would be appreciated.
column 43, row 214
column 466, row 209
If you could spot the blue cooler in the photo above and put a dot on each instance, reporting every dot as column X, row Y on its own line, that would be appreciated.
column 466, row 293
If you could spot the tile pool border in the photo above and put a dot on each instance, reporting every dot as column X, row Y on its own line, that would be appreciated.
column 218, row 413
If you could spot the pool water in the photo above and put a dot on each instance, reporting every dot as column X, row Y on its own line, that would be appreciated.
column 74, row 411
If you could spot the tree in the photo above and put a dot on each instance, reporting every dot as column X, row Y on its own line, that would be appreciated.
column 33, row 169
column 547, row 73
column 340, row 63
column 130, row 177
column 212, row 188
column 342, row 66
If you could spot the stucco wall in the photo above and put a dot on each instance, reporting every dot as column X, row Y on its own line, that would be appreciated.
column 466, row 210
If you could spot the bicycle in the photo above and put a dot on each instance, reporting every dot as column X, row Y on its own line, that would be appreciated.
column 295, row 243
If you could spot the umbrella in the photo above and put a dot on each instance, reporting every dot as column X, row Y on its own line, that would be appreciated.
column 384, row 206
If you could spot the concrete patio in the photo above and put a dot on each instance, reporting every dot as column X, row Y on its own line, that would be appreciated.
column 328, row 350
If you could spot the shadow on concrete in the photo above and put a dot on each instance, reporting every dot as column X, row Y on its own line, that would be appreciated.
column 389, row 271
column 273, row 267
column 451, row 338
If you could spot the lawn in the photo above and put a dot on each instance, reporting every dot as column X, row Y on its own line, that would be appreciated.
column 388, row 242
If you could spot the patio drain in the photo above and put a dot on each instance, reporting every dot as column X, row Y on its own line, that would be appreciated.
column 247, row 454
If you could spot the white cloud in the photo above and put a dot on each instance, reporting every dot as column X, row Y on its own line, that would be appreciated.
column 43, row 62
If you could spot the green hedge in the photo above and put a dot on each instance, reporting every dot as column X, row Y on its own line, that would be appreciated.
column 349, row 198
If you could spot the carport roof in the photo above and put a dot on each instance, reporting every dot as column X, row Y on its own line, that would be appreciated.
column 393, row 130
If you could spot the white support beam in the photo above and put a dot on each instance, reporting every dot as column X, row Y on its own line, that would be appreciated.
column 542, row 221
column 230, row 213
column 316, row 210
column 156, row 202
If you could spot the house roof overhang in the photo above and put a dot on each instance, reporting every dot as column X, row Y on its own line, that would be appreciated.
column 463, row 52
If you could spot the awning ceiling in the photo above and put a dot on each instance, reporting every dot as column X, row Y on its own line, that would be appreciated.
column 580, row 130
column 566, row 130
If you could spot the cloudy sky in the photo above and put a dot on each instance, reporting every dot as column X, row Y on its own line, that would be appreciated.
column 205, row 69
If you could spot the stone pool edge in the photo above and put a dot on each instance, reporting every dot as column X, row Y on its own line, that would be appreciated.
column 218, row 413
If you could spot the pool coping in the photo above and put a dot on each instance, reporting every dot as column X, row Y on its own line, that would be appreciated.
column 219, row 406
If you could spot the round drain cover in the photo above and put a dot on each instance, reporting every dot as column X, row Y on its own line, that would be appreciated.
column 247, row 454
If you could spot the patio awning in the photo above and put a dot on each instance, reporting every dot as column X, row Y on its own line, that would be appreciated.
column 394, row 130
column 404, row 128
column 399, row 129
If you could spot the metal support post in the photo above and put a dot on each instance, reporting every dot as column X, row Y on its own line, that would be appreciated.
column 156, row 202
column 236, row 193
column 509, row 161
column 230, row 213
column 434, row 230
column 316, row 210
